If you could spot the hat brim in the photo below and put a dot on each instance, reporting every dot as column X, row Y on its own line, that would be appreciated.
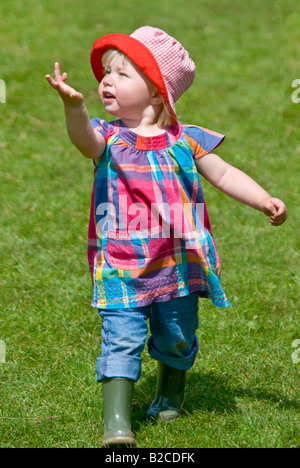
column 140, row 56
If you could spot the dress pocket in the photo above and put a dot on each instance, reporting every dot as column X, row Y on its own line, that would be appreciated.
column 126, row 251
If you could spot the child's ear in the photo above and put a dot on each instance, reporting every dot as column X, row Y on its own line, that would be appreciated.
column 156, row 98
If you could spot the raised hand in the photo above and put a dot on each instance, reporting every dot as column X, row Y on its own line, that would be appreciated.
column 69, row 95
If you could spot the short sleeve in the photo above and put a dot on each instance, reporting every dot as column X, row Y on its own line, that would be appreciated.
column 202, row 140
column 105, row 128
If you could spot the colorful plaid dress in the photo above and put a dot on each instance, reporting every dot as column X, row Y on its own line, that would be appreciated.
column 150, row 238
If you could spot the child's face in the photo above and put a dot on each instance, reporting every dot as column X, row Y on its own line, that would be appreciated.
column 125, row 91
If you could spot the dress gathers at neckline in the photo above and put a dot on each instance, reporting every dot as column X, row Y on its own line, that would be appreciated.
column 148, row 143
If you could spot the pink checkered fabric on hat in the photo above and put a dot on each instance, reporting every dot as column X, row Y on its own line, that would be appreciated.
column 159, row 56
column 176, row 66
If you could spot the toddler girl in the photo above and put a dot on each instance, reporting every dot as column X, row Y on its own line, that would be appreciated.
column 151, row 249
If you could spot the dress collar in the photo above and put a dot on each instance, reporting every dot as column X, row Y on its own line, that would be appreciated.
column 157, row 142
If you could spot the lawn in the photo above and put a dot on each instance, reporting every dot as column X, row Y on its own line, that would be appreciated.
column 244, row 388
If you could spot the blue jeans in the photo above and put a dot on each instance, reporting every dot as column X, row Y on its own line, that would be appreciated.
column 173, row 340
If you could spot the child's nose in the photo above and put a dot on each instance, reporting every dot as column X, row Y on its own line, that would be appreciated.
column 107, row 80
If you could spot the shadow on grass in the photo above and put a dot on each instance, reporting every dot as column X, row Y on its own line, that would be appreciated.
column 209, row 392
column 206, row 393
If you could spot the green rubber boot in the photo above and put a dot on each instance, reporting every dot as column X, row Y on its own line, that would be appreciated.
column 117, row 398
column 168, row 401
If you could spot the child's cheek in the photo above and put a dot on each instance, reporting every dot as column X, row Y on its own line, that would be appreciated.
column 100, row 91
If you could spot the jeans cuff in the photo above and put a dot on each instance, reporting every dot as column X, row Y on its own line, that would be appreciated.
column 180, row 363
column 117, row 365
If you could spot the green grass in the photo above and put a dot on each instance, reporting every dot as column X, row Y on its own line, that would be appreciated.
column 244, row 388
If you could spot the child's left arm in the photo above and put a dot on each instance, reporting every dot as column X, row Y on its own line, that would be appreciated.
column 241, row 187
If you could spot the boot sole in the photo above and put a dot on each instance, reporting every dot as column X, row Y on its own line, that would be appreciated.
column 166, row 415
column 113, row 441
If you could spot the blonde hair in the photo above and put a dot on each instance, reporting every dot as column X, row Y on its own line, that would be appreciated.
column 164, row 118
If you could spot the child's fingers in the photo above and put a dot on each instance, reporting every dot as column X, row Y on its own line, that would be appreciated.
column 67, row 93
column 279, row 214
column 51, row 81
column 278, row 218
column 269, row 208
column 280, row 208
column 276, row 210
column 57, row 74
column 277, row 221
column 54, row 82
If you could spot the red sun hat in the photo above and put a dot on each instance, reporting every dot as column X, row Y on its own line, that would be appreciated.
column 159, row 56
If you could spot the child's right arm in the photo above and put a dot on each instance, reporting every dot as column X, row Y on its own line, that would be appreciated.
column 89, row 142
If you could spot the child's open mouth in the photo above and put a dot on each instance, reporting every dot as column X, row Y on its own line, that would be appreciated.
column 107, row 96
